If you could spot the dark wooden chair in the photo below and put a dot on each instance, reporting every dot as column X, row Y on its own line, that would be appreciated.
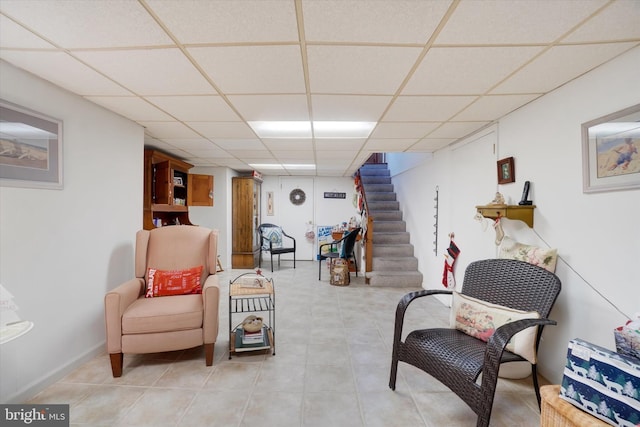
column 456, row 359
column 272, row 239
column 342, row 248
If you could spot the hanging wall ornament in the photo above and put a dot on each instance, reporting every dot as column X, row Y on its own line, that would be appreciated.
column 297, row 197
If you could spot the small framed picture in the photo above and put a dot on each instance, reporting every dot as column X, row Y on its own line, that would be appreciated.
column 177, row 180
column 506, row 171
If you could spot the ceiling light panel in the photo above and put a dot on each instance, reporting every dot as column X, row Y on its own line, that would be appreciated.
column 342, row 129
column 274, row 129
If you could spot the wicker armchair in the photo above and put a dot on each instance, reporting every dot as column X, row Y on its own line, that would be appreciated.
column 456, row 359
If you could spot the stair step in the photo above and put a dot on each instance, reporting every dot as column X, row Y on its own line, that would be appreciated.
column 384, row 250
column 390, row 238
column 368, row 166
column 375, row 179
column 390, row 226
column 379, row 196
column 395, row 279
column 372, row 188
column 374, row 172
column 386, row 216
column 393, row 205
column 395, row 263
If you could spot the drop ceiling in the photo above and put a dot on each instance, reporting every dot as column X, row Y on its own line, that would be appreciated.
column 194, row 73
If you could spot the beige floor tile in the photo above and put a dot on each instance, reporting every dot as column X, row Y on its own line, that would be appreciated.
column 331, row 368
column 335, row 409
column 216, row 409
column 282, row 409
column 159, row 407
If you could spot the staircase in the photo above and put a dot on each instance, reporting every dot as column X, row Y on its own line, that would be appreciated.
column 393, row 261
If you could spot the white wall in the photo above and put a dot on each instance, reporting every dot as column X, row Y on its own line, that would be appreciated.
column 597, row 235
column 61, row 250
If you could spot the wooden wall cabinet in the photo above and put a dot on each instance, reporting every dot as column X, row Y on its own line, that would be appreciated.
column 245, row 216
column 169, row 190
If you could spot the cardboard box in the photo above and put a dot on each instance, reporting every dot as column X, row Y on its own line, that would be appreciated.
column 602, row 383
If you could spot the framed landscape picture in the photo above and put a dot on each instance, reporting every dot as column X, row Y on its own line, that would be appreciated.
column 611, row 152
column 30, row 148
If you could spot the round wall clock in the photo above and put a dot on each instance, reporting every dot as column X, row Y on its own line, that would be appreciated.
column 297, row 196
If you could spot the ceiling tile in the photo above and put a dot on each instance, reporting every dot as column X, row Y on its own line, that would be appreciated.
column 253, row 156
column 427, row 108
column 189, row 144
column 131, row 107
column 15, row 36
column 271, row 107
column 223, row 129
column 213, row 154
column 293, row 156
column 205, row 108
column 559, row 65
column 430, row 144
column 84, row 24
column 253, row 69
column 388, row 145
column 150, row 71
column 240, row 144
column 403, row 130
column 466, row 70
column 64, row 71
column 162, row 130
column 456, row 129
column 359, row 69
column 288, row 144
column 228, row 21
column 349, row 107
column 372, row 22
column 620, row 18
column 339, row 144
column 150, row 141
column 491, row 107
column 514, row 22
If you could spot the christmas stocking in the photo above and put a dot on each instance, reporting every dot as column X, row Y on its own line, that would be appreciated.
column 448, row 279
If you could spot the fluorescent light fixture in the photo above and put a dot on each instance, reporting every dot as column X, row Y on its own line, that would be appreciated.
column 299, row 129
column 342, row 129
column 302, row 129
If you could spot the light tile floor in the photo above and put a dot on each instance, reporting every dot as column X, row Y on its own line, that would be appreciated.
column 331, row 368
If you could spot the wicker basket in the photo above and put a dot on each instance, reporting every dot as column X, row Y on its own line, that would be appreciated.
column 557, row 412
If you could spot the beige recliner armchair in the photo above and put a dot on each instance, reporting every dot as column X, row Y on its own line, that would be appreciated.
column 136, row 324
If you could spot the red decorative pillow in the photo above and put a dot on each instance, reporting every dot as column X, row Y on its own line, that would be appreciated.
column 164, row 283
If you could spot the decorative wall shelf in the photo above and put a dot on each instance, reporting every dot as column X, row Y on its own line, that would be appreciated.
column 517, row 212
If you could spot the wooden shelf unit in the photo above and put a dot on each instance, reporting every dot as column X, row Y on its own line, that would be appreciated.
column 517, row 212
column 169, row 190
